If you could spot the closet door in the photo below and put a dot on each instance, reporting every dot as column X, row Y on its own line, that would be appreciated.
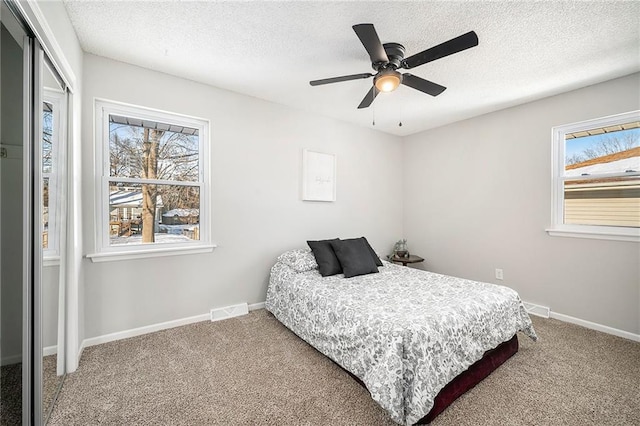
column 33, row 120
column 32, row 259
column 15, row 346
column 52, row 230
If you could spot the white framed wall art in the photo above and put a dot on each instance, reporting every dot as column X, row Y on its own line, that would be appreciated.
column 318, row 176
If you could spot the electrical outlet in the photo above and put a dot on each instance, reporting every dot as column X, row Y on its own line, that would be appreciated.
column 499, row 274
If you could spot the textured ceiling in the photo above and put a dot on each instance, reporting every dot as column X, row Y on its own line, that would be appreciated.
column 270, row 50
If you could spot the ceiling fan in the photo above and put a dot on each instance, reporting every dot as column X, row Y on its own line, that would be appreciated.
column 387, row 58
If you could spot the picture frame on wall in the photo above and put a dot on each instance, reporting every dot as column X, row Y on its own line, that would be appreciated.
column 318, row 176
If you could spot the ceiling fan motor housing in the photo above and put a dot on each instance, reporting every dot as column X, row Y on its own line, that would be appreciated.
column 395, row 53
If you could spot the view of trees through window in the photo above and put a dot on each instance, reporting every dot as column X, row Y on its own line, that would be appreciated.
column 154, row 190
column 602, row 176
column 582, row 148
column 47, row 167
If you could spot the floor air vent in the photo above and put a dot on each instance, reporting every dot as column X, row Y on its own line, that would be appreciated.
column 218, row 314
column 533, row 309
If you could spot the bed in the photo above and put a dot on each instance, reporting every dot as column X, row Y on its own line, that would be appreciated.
column 402, row 332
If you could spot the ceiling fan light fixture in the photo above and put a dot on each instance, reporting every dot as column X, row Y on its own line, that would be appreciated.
column 388, row 81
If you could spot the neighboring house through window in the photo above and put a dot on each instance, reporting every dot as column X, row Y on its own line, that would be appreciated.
column 153, row 185
column 596, row 178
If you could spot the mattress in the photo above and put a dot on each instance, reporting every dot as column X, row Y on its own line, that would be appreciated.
column 405, row 333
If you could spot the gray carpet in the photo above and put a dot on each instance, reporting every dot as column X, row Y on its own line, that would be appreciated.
column 50, row 383
column 11, row 395
column 252, row 370
column 11, row 385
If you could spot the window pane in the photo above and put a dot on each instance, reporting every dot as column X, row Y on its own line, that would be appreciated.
column 45, row 213
column 153, row 214
column 152, row 150
column 606, row 202
column 614, row 149
column 47, row 137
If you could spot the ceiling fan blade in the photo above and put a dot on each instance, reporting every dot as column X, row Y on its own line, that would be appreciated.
column 455, row 45
column 369, row 97
column 370, row 40
column 426, row 86
column 339, row 79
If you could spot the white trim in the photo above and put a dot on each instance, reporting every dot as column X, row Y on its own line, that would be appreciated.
column 102, row 109
column 119, row 335
column 106, row 338
column 50, row 350
column 112, row 256
column 11, row 359
column 596, row 326
column 538, row 310
column 71, row 269
column 558, row 228
column 256, row 306
column 34, row 16
column 599, row 234
column 31, row 12
column 50, row 261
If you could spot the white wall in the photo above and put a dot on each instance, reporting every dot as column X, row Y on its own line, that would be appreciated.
column 477, row 197
column 50, row 288
column 256, row 152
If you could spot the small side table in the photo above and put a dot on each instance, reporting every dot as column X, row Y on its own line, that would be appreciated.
column 406, row 260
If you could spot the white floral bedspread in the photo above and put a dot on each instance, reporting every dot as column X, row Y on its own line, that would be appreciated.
column 404, row 332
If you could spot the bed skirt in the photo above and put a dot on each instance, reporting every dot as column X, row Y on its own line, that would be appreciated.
column 466, row 380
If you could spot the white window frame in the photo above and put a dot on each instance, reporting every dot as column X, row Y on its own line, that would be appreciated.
column 57, row 99
column 558, row 227
column 103, row 250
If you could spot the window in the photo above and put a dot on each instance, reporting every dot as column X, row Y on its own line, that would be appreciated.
column 153, row 182
column 596, row 178
column 52, row 141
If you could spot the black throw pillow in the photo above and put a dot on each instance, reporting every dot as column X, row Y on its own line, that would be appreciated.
column 354, row 257
column 373, row 253
column 326, row 259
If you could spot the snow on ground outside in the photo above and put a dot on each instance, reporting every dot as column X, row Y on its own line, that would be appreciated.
column 168, row 234
column 175, row 229
column 182, row 212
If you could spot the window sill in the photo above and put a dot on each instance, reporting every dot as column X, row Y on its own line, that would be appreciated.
column 631, row 236
column 114, row 256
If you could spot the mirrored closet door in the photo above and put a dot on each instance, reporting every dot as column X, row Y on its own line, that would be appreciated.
column 32, row 224
column 52, row 149
column 13, row 48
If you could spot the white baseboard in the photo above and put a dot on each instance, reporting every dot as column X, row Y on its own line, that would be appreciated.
column 11, row 359
column 546, row 312
column 50, row 350
column 596, row 326
column 256, row 306
column 92, row 341
column 106, row 338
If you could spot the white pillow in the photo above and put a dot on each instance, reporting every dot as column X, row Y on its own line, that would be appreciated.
column 300, row 260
